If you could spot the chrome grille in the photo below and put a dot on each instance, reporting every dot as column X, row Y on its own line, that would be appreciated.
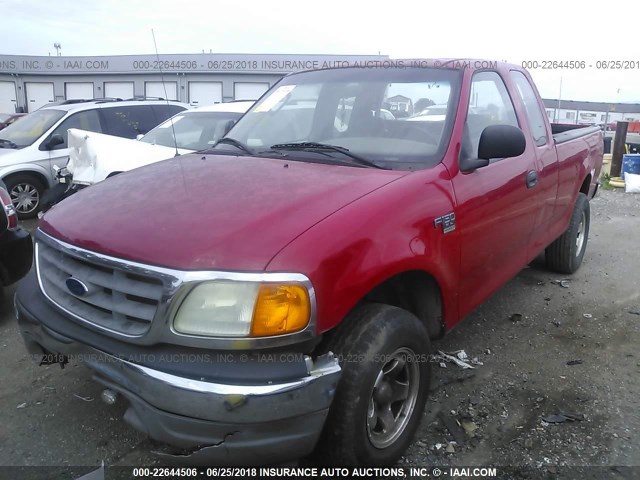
column 116, row 299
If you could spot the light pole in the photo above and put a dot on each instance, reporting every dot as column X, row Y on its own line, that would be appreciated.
column 557, row 116
column 58, row 47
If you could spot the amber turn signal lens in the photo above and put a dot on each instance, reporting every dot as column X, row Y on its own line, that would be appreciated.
column 280, row 309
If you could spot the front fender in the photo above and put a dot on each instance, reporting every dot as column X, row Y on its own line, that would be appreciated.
column 388, row 231
column 28, row 168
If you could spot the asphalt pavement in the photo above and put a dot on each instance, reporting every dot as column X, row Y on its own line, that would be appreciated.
column 548, row 350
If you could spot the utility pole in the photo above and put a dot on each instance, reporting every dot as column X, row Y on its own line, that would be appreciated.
column 58, row 47
column 618, row 148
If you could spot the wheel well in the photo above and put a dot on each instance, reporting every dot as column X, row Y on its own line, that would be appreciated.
column 41, row 178
column 415, row 291
column 586, row 185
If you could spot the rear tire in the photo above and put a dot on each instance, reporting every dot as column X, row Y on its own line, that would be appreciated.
column 25, row 191
column 565, row 254
column 384, row 352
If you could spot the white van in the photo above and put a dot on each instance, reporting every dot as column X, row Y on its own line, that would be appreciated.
column 32, row 149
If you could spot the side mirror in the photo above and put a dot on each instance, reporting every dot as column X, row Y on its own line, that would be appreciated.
column 496, row 141
column 55, row 140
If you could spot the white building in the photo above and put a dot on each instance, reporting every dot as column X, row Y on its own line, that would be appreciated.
column 29, row 82
column 590, row 113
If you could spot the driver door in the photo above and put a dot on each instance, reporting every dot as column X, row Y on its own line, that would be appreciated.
column 495, row 208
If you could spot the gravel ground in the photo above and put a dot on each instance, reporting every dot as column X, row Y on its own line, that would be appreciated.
column 570, row 351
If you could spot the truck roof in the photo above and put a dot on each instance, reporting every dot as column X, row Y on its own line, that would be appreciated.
column 448, row 63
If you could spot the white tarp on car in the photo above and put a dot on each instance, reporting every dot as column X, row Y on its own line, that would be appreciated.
column 94, row 156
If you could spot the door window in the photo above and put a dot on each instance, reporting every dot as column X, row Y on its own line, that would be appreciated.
column 489, row 104
column 85, row 120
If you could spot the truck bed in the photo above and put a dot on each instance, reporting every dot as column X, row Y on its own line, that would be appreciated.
column 563, row 132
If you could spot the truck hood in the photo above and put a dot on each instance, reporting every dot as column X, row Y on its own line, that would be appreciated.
column 208, row 211
column 93, row 156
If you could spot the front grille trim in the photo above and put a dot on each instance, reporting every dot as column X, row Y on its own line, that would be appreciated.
column 56, row 261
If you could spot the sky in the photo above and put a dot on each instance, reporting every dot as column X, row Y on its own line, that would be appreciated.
column 539, row 30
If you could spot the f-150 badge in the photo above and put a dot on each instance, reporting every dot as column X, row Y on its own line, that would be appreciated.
column 447, row 222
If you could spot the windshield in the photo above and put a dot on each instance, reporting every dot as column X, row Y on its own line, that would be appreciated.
column 193, row 130
column 362, row 110
column 31, row 127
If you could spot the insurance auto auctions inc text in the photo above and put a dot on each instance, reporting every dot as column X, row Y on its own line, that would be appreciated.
column 377, row 472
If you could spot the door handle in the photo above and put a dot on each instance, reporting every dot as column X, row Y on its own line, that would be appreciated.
column 532, row 178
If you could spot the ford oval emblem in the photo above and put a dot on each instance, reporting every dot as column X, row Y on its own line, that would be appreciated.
column 76, row 287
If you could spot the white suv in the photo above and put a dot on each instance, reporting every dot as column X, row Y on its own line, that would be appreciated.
column 32, row 149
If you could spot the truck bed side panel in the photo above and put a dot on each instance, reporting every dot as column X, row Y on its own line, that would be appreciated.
column 579, row 157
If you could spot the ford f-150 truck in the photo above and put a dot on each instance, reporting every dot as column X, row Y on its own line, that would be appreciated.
column 278, row 293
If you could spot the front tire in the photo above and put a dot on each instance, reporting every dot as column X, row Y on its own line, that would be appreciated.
column 384, row 352
column 25, row 191
column 565, row 254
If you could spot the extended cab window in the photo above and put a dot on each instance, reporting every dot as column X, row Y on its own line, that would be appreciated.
column 489, row 104
column 129, row 122
column 532, row 108
column 85, row 120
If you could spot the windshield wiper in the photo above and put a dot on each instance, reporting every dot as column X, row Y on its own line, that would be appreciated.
column 325, row 146
column 235, row 143
column 7, row 142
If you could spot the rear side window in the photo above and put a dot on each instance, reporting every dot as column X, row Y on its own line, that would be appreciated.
column 489, row 104
column 130, row 121
column 531, row 107
column 85, row 120
column 165, row 111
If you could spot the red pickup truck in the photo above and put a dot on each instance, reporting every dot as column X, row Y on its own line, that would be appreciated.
column 278, row 293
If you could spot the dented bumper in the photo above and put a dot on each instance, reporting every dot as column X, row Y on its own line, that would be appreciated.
column 214, row 422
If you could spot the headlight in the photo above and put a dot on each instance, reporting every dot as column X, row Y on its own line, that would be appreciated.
column 243, row 309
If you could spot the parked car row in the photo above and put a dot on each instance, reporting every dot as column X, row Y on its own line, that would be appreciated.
column 94, row 157
column 277, row 293
column 33, row 149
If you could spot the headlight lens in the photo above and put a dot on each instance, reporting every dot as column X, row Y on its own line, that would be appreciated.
column 221, row 309
column 243, row 309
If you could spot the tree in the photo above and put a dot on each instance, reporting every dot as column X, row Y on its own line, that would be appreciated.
column 423, row 103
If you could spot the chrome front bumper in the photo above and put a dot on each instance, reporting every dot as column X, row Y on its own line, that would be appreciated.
column 262, row 423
